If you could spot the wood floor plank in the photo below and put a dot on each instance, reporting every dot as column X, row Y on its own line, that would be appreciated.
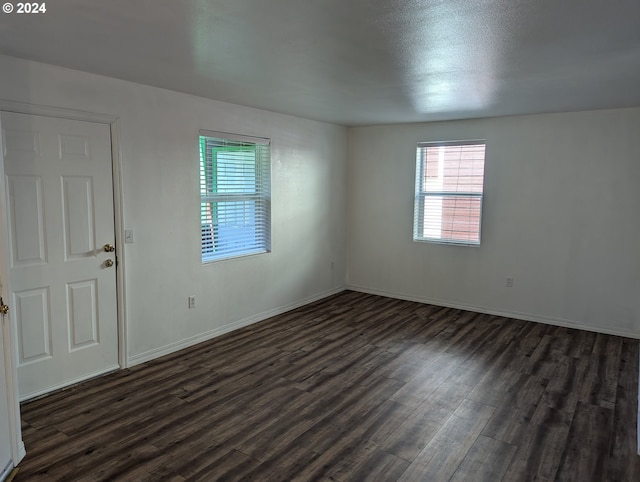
column 234, row 466
column 441, row 457
column 109, row 409
column 487, row 353
column 541, row 445
column 233, row 425
column 566, row 384
column 542, row 360
column 365, row 418
column 413, row 434
column 354, row 387
column 369, row 367
column 283, row 465
column 339, row 458
column 510, row 422
column 116, row 383
column 486, row 461
column 347, row 463
column 623, row 444
column 124, row 464
column 503, row 382
column 530, row 337
column 411, row 358
column 379, row 465
column 586, row 453
column 82, row 450
column 427, row 380
column 395, row 419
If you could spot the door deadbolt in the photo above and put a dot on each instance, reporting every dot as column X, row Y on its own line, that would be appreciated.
column 108, row 263
column 109, row 248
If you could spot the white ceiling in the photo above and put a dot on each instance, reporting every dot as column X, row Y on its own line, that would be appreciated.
column 352, row 62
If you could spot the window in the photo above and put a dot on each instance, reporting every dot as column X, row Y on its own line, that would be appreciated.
column 449, row 187
column 235, row 195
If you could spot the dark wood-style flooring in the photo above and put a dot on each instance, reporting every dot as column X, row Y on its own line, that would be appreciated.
column 356, row 388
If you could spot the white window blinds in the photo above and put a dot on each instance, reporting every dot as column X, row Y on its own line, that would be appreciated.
column 235, row 195
column 449, row 189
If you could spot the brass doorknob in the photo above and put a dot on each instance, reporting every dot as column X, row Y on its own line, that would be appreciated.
column 109, row 248
column 108, row 263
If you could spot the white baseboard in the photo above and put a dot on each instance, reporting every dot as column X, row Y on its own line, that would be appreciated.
column 208, row 335
column 60, row 386
column 22, row 451
column 5, row 471
column 548, row 320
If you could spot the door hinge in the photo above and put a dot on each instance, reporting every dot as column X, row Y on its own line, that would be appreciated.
column 4, row 309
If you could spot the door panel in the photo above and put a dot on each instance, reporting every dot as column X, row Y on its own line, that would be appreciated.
column 83, row 314
column 34, row 329
column 60, row 205
column 77, row 197
column 27, row 219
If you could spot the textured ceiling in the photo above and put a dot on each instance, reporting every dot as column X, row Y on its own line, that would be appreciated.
column 352, row 62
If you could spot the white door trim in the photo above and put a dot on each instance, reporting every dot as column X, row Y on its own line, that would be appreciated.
column 6, row 326
column 17, row 445
column 113, row 122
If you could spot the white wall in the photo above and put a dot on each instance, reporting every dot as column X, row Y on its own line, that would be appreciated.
column 560, row 212
column 159, row 153
column 561, row 215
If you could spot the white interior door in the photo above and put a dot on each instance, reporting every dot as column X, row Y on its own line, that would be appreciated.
column 59, row 189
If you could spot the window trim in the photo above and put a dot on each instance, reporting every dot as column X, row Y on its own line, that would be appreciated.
column 261, row 172
column 420, row 195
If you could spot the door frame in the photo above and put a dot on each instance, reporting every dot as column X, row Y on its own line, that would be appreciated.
column 116, row 169
column 10, row 355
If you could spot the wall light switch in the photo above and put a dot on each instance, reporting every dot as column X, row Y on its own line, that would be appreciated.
column 128, row 235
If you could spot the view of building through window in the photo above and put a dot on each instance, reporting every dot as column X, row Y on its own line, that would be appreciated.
column 449, row 189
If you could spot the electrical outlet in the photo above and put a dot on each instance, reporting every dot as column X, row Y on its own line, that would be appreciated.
column 509, row 283
column 192, row 301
